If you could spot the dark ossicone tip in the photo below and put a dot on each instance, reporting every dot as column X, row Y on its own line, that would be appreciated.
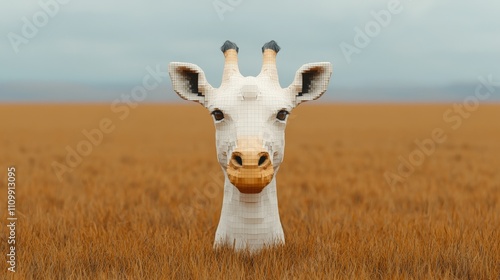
column 228, row 45
column 271, row 45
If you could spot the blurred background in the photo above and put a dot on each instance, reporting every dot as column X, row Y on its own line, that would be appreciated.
column 382, row 51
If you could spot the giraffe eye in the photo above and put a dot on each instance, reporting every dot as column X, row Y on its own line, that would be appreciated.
column 218, row 115
column 282, row 115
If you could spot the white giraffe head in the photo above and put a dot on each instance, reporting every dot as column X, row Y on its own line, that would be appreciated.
column 250, row 113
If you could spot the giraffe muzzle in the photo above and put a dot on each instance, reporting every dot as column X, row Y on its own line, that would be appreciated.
column 250, row 169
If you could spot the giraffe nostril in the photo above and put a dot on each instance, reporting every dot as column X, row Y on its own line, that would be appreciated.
column 262, row 160
column 238, row 160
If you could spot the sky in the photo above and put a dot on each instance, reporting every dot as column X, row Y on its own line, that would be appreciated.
column 420, row 50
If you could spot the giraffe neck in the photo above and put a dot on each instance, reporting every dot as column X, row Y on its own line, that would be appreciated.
column 249, row 220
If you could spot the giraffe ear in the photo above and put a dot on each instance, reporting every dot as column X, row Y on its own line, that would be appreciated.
column 189, row 82
column 311, row 81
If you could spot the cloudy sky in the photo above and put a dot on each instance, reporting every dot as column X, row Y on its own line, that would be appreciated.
column 94, row 50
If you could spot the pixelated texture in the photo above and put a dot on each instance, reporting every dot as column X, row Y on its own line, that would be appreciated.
column 228, row 45
column 250, row 115
column 189, row 82
column 271, row 45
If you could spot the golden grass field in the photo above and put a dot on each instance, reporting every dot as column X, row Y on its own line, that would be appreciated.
column 146, row 202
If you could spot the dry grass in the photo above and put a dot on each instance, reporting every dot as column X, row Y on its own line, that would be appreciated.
column 145, row 204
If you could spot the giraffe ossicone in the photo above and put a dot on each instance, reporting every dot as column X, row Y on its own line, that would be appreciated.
column 250, row 116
